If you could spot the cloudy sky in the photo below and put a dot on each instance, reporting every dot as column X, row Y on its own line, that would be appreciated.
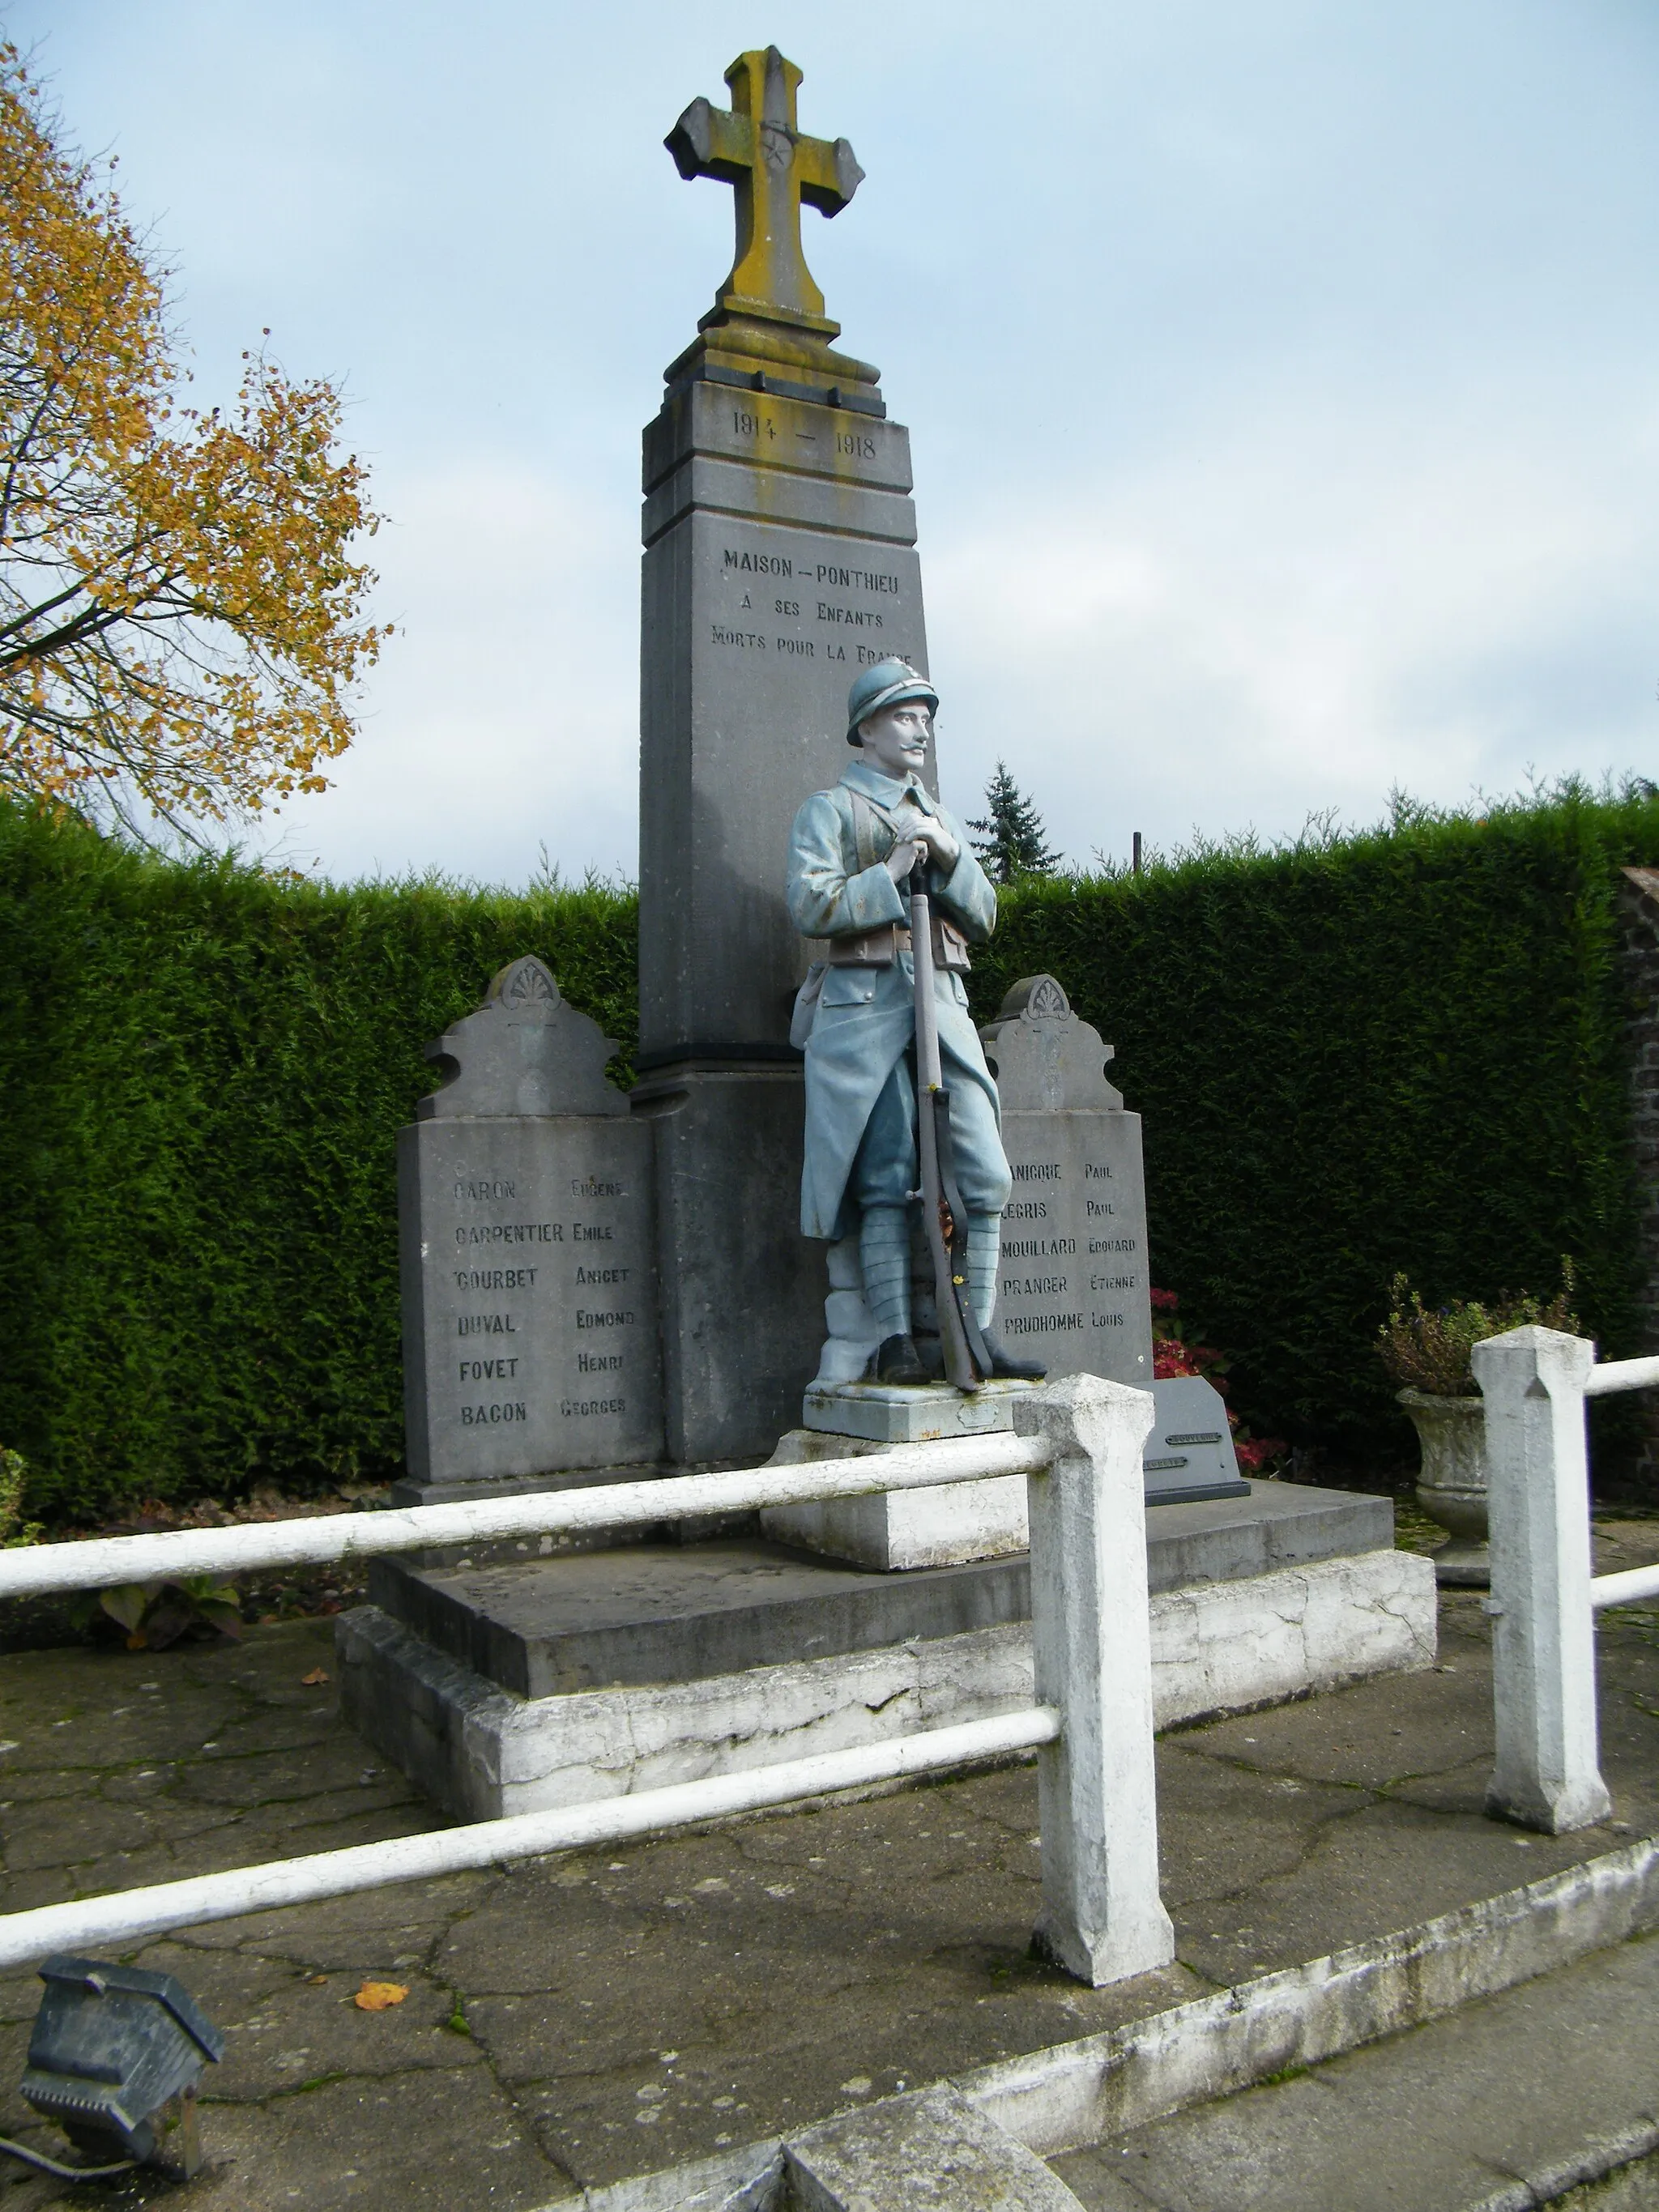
column 1283, row 375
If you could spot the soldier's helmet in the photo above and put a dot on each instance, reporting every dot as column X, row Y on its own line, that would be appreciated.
column 883, row 684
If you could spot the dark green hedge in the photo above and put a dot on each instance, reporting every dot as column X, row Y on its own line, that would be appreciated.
column 1397, row 1050
column 204, row 1069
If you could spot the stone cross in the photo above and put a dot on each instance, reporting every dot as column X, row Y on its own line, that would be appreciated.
column 754, row 147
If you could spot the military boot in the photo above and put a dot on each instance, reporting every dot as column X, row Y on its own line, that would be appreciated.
column 898, row 1361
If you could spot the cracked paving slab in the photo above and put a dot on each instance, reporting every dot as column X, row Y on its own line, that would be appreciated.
column 581, row 2018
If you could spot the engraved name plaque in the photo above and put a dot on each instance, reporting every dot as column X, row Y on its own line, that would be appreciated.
column 530, row 1327
column 1073, row 1286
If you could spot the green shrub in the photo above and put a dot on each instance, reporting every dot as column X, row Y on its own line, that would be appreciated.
column 1396, row 1052
column 204, row 1068
column 14, row 1531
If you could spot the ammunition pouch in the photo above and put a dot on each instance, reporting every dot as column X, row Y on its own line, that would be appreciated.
column 881, row 947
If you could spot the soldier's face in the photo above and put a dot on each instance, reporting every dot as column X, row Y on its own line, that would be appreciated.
column 896, row 740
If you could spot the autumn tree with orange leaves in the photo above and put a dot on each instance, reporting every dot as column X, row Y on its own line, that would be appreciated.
column 181, row 622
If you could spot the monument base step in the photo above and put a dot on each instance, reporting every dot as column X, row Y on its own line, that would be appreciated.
column 542, row 1622
column 484, row 1752
column 504, row 1687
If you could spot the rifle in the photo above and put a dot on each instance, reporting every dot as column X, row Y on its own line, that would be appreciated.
column 967, row 1362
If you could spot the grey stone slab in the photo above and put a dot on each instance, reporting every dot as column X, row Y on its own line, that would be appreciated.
column 1045, row 1058
column 931, row 2148
column 741, row 1307
column 529, row 1297
column 1279, row 1524
column 886, row 1414
column 677, row 1613
column 1073, row 1288
column 527, row 1261
column 1190, row 1451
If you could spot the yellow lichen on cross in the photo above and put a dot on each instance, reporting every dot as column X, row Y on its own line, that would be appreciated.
column 754, row 147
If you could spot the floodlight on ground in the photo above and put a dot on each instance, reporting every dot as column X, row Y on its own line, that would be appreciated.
column 114, row 2059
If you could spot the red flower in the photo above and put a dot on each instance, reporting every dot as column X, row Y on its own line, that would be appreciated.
column 1256, row 1451
column 1170, row 1358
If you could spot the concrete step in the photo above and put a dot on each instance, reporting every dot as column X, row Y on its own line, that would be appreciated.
column 1515, row 2101
column 541, row 1627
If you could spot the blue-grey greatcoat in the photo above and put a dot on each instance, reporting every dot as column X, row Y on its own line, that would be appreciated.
column 866, row 1016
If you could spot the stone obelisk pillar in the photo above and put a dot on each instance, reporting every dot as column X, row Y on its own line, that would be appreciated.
column 780, row 557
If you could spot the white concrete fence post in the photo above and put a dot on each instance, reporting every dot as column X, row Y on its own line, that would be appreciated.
column 1549, row 1774
column 1102, row 1919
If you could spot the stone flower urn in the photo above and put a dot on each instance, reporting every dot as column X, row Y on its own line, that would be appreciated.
column 1451, row 1487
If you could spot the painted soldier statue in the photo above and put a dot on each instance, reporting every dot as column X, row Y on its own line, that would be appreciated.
column 851, row 851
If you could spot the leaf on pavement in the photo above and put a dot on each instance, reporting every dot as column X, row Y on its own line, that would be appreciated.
column 380, row 1996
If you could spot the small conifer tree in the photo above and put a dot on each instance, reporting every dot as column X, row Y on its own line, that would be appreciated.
column 1014, row 841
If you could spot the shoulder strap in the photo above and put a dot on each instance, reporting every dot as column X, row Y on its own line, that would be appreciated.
column 865, row 814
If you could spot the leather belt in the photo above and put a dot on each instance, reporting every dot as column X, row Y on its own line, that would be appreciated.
column 881, row 946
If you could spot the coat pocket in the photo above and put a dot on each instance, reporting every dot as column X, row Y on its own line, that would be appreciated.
column 848, row 987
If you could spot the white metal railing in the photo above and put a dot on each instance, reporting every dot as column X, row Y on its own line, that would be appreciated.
column 252, row 1547
column 1544, row 1596
column 1078, row 1443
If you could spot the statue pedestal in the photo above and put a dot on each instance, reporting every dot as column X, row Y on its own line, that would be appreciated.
column 893, row 1530
column 894, row 1413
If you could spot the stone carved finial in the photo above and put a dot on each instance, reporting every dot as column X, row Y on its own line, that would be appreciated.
column 768, row 309
column 524, row 1052
column 524, row 983
column 1045, row 1059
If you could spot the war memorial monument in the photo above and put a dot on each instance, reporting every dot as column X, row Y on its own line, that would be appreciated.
column 598, row 1286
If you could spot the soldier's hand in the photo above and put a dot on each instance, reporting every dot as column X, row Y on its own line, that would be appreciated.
column 901, row 860
column 941, row 845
